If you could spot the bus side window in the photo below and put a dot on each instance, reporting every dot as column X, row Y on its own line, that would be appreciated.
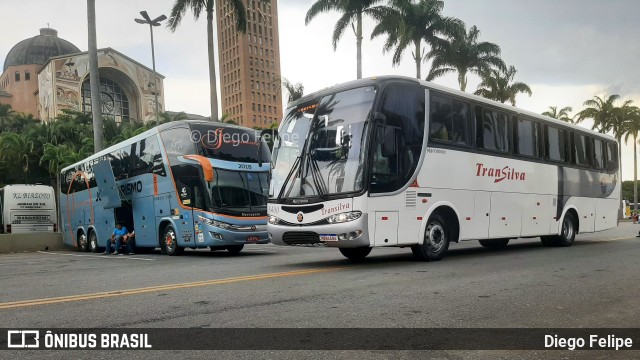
column 598, row 155
column 398, row 144
column 450, row 121
column 612, row 157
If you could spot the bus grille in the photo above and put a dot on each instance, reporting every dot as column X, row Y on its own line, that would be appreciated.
column 300, row 238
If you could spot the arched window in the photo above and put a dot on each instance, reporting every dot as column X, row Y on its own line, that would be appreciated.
column 17, row 76
column 113, row 99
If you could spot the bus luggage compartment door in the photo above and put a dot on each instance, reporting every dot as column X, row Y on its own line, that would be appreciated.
column 144, row 222
column 386, row 232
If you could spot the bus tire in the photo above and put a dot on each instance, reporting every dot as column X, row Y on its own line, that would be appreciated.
column 547, row 240
column 234, row 249
column 567, row 232
column 356, row 254
column 93, row 242
column 83, row 243
column 170, row 242
column 436, row 240
column 494, row 243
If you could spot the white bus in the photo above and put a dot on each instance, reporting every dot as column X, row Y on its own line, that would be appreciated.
column 400, row 162
column 28, row 208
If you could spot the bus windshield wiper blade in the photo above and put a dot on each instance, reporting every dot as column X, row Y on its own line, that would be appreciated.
column 288, row 178
column 316, row 175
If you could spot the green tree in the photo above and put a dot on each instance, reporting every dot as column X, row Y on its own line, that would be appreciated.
column 562, row 114
column 352, row 12
column 6, row 114
column 16, row 149
column 500, row 86
column 631, row 130
column 296, row 91
column 180, row 8
column 407, row 24
column 462, row 53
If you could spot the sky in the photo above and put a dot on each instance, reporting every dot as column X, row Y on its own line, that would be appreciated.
column 567, row 51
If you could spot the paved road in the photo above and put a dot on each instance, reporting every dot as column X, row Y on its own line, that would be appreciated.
column 591, row 284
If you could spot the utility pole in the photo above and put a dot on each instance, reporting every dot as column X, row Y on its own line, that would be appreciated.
column 94, row 77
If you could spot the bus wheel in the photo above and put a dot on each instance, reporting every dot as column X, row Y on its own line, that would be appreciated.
column 356, row 254
column 93, row 242
column 170, row 242
column 547, row 240
column 494, row 243
column 83, row 244
column 436, row 240
column 568, row 233
column 234, row 249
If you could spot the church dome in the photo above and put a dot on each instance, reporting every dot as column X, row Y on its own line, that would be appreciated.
column 38, row 49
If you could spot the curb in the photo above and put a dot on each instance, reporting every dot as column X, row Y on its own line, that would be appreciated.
column 30, row 242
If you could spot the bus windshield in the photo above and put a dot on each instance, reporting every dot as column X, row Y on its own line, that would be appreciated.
column 320, row 149
column 230, row 143
column 242, row 193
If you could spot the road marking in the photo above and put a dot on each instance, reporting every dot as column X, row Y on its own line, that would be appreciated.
column 117, row 293
column 615, row 239
column 127, row 257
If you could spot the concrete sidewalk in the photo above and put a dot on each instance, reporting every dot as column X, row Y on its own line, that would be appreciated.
column 30, row 242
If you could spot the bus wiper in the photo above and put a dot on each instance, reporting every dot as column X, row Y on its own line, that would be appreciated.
column 316, row 175
column 288, row 178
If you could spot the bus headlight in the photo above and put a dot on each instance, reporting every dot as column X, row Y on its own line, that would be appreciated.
column 218, row 224
column 273, row 220
column 344, row 217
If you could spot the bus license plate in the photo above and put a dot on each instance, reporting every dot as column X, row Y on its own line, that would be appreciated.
column 200, row 237
column 253, row 238
column 328, row 237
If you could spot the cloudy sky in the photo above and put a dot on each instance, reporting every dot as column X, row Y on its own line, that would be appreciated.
column 567, row 50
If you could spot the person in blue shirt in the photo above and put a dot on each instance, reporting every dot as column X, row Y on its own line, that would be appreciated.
column 117, row 237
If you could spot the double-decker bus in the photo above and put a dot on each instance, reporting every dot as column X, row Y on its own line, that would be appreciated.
column 400, row 162
column 28, row 208
column 182, row 184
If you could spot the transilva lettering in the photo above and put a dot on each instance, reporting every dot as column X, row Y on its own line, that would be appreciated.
column 498, row 174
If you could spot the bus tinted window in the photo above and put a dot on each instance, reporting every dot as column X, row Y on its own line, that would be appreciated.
column 398, row 144
column 612, row 156
column 493, row 130
column 527, row 135
column 580, row 150
column 230, row 143
column 598, row 154
column 556, row 144
column 450, row 120
column 177, row 142
column 147, row 158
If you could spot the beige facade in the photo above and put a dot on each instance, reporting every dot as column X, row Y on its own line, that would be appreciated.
column 126, row 86
column 18, row 84
column 250, row 75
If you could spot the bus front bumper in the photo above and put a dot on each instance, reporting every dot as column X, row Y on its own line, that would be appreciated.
column 221, row 237
column 345, row 235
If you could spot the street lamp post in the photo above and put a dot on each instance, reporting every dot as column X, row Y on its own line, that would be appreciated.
column 152, row 23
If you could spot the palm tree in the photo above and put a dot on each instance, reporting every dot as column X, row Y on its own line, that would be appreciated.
column 562, row 114
column 6, row 114
column 296, row 91
column 602, row 110
column 631, row 129
column 499, row 85
column 178, row 11
column 408, row 24
column 352, row 12
column 16, row 148
column 464, row 54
